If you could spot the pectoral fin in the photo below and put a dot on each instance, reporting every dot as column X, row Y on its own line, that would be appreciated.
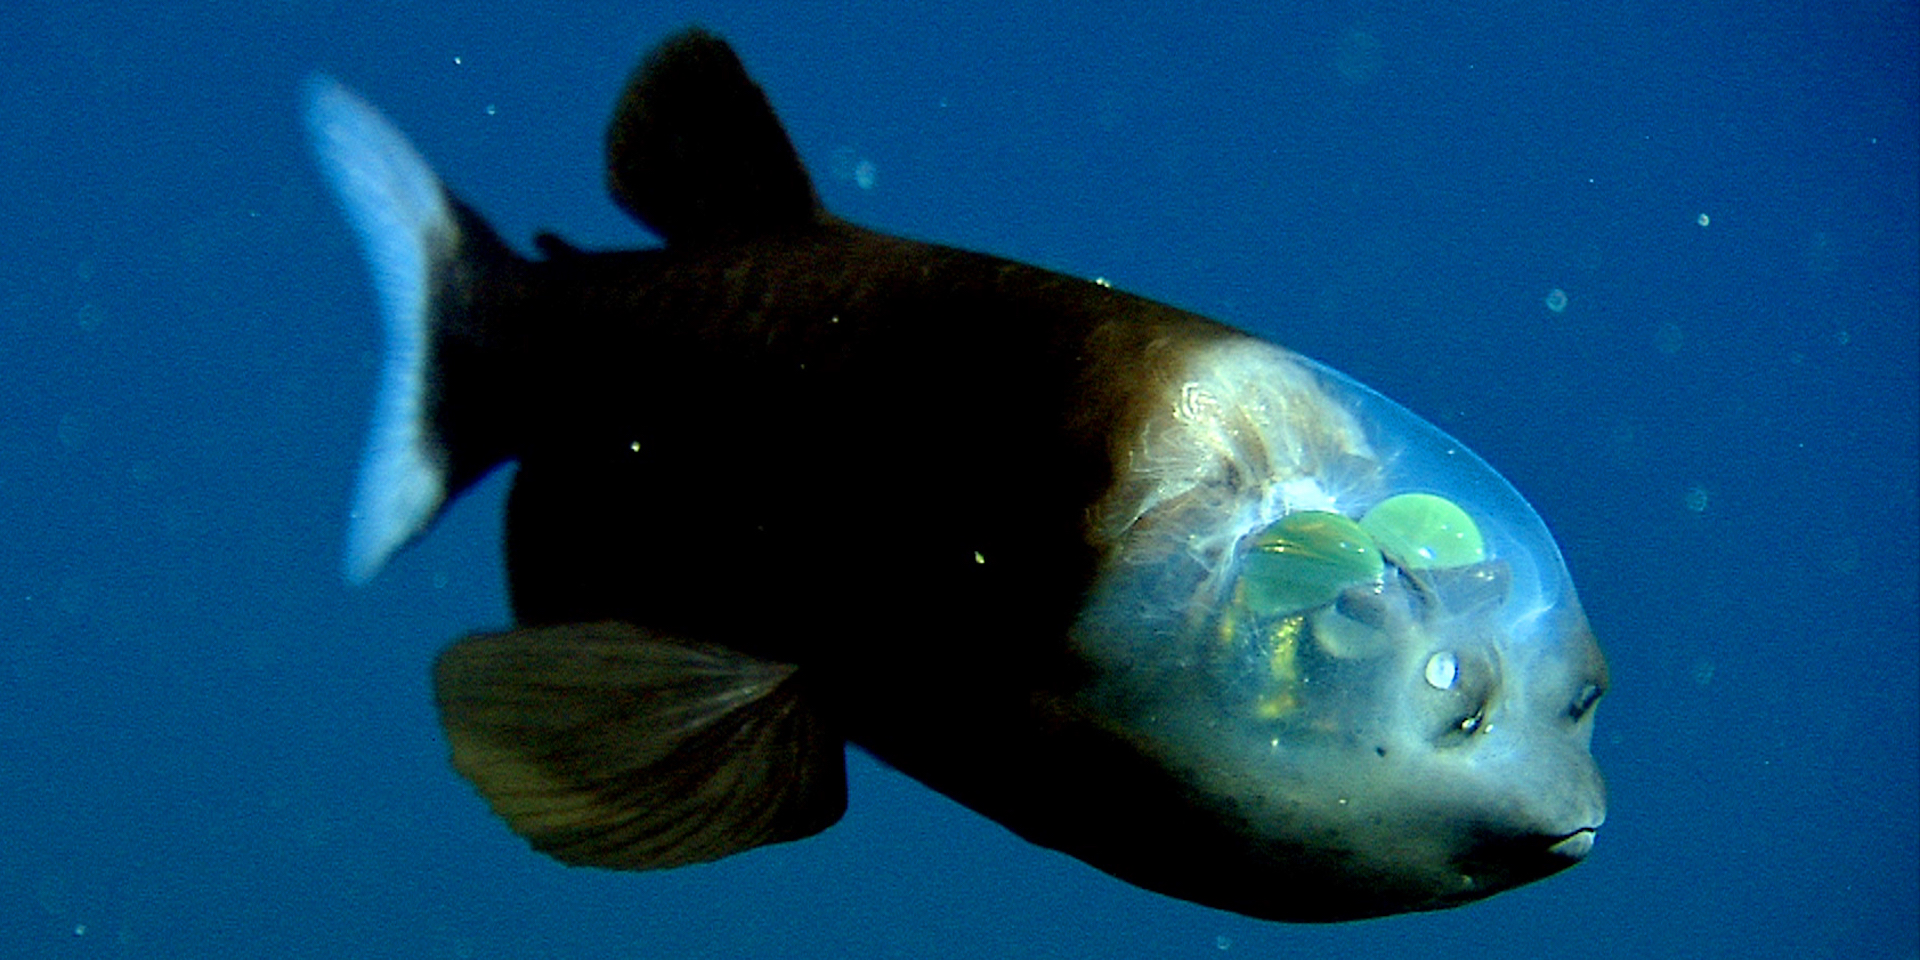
column 604, row 745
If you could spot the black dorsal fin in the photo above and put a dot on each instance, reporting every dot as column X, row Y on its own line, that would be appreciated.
column 695, row 152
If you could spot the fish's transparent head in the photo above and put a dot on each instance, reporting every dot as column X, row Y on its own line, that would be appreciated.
column 1347, row 635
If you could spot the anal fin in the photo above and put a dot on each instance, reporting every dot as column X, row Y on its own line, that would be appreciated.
column 604, row 745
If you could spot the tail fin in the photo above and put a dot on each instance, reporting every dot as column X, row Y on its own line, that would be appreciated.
column 428, row 255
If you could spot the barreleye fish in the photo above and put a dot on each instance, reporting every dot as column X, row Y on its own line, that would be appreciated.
column 1141, row 587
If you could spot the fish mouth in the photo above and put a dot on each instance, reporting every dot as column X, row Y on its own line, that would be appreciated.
column 1514, row 861
column 1575, row 846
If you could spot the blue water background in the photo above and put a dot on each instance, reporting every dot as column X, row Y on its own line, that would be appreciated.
column 209, row 746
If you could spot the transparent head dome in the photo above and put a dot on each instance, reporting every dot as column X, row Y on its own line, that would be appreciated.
column 1342, row 625
column 1254, row 434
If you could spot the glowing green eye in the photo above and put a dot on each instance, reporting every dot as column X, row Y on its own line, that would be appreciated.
column 1425, row 532
column 1304, row 560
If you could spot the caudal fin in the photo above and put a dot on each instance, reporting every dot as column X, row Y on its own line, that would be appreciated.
column 428, row 255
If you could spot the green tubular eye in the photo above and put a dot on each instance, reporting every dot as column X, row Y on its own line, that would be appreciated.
column 1425, row 532
column 1304, row 560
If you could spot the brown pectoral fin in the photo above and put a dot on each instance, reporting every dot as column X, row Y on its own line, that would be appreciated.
column 604, row 745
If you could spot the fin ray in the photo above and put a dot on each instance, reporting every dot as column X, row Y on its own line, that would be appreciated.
column 605, row 746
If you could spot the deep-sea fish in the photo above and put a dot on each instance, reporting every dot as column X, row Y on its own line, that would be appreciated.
column 1142, row 588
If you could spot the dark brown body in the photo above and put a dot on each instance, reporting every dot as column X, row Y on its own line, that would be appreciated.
column 783, row 424
column 872, row 458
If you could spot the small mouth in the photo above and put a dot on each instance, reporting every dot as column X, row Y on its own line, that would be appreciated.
column 1512, row 861
column 1575, row 845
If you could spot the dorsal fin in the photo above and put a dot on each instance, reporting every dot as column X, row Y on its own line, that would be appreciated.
column 695, row 152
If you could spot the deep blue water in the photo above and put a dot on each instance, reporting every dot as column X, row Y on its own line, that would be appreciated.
column 209, row 746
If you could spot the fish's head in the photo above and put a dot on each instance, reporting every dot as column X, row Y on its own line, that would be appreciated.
column 1349, row 645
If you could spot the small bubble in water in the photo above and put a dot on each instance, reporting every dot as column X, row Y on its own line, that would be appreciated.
column 1697, row 499
column 1557, row 300
column 1223, row 942
column 1668, row 338
column 1703, row 672
column 90, row 316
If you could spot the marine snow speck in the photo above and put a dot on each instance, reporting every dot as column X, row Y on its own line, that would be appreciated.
column 1146, row 590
